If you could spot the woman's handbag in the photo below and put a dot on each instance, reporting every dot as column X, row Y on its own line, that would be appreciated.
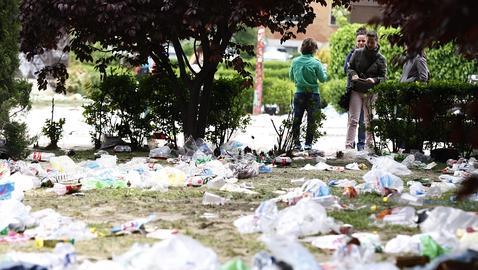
column 345, row 100
column 361, row 85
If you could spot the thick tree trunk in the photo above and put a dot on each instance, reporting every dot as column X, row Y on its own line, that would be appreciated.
column 196, row 110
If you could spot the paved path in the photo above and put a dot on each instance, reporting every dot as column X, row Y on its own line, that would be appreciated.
column 76, row 131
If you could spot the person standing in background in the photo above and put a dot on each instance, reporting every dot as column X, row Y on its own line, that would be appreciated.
column 415, row 69
column 367, row 68
column 360, row 39
column 306, row 72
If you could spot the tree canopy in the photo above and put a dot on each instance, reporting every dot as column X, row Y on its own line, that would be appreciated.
column 430, row 23
column 138, row 29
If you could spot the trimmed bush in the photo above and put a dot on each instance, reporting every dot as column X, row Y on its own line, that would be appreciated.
column 331, row 92
column 228, row 110
column 438, row 113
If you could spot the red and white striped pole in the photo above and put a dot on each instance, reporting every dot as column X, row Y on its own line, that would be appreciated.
column 257, row 103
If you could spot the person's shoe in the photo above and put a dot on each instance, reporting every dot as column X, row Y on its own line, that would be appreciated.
column 360, row 147
column 307, row 147
column 297, row 147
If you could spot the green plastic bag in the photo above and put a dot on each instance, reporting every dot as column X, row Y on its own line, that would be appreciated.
column 431, row 248
column 236, row 264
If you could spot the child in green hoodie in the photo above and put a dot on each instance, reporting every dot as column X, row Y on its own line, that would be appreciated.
column 306, row 72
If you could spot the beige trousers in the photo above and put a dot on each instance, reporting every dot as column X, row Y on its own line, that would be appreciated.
column 357, row 102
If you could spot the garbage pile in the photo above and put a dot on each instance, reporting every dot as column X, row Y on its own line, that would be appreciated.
column 297, row 215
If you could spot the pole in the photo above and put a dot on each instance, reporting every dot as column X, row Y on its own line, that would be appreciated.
column 257, row 103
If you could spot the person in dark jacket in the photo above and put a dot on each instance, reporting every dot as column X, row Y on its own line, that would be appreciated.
column 415, row 69
column 367, row 67
column 360, row 39
column 306, row 72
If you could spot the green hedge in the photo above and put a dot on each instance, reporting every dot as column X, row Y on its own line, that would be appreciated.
column 438, row 113
column 277, row 88
column 331, row 92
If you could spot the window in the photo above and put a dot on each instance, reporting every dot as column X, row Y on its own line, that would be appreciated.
column 333, row 20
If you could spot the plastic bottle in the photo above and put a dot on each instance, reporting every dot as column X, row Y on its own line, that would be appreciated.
column 51, row 243
column 213, row 199
column 265, row 169
column 134, row 225
column 40, row 156
column 61, row 189
column 283, row 161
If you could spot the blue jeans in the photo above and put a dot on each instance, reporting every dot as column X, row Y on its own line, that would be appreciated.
column 361, row 132
column 309, row 102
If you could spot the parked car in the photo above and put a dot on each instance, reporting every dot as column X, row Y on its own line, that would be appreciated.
column 276, row 53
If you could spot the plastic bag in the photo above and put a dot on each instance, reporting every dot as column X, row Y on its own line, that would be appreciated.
column 404, row 244
column 217, row 168
column 307, row 217
column 236, row 264
column 446, row 221
column 107, row 161
column 160, row 152
column 315, row 188
column 387, row 164
column 175, row 177
column 383, row 181
column 409, row 161
column 63, row 164
column 176, row 253
column 13, row 211
column 291, row 252
column 430, row 248
column 404, row 216
column 263, row 219
column 245, row 168
column 212, row 199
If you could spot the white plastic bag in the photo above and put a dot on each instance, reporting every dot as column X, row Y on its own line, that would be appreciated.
column 387, row 164
column 291, row 252
column 307, row 217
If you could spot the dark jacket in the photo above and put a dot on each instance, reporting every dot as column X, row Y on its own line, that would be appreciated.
column 415, row 69
column 347, row 60
column 361, row 65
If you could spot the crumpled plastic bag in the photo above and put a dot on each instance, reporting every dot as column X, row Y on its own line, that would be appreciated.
column 263, row 219
column 160, row 152
column 446, row 221
column 307, row 217
column 383, row 181
column 245, row 168
column 388, row 164
column 292, row 252
column 176, row 253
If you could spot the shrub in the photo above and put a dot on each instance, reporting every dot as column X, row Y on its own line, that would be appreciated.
column 228, row 110
column 162, row 105
column 438, row 113
column 133, row 107
column 120, row 108
column 332, row 90
column 278, row 91
column 54, row 131
column 324, row 55
column 446, row 64
column 14, row 94
column 16, row 139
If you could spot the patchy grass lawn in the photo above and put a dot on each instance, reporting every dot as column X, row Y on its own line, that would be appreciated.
column 181, row 208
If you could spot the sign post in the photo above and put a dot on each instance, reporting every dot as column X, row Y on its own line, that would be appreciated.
column 257, row 103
